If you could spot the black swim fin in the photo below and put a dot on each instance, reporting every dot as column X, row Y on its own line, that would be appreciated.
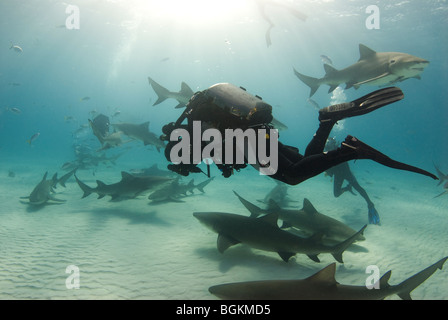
column 365, row 151
column 363, row 105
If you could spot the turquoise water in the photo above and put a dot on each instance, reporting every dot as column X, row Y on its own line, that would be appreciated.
column 137, row 250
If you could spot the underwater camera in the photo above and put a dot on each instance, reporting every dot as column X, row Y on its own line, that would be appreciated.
column 221, row 107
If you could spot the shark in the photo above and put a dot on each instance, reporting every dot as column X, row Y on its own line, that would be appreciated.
column 264, row 234
column 174, row 190
column 41, row 194
column 279, row 194
column 323, row 286
column 372, row 68
column 262, row 4
column 183, row 96
column 107, row 140
column 62, row 180
column 129, row 187
column 307, row 219
column 442, row 177
column 140, row 132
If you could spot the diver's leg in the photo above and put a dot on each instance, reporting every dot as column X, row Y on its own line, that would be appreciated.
column 330, row 115
column 317, row 144
column 351, row 149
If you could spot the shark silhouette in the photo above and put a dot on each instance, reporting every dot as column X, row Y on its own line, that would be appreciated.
column 372, row 68
column 128, row 187
column 322, row 286
column 307, row 219
column 41, row 194
column 264, row 234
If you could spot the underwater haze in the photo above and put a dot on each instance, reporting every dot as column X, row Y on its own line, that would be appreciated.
column 64, row 63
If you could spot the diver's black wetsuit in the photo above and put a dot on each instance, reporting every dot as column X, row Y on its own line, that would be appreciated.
column 224, row 106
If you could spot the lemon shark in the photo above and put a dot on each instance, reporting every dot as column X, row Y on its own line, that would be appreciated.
column 183, row 96
column 174, row 190
column 372, row 68
column 264, row 234
column 307, row 219
column 41, row 194
column 128, row 187
column 140, row 132
column 322, row 286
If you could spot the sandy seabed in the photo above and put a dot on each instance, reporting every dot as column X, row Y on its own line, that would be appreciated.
column 133, row 249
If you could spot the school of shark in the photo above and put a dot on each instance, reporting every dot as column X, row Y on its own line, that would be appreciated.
column 277, row 223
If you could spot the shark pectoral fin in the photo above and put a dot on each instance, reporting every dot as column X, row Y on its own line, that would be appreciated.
column 25, row 197
column 286, row 255
column 332, row 88
column 313, row 257
column 180, row 105
column 225, row 242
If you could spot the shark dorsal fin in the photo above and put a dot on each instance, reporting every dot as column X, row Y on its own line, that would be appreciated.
column 308, row 207
column 126, row 175
column 45, row 176
column 186, row 90
column 325, row 275
column 145, row 125
column 329, row 69
column 365, row 52
column 273, row 206
column 384, row 281
column 270, row 218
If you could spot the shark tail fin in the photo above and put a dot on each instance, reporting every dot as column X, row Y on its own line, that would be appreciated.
column 311, row 82
column 85, row 188
column 253, row 209
column 405, row 288
column 162, row 92
column 341, row 247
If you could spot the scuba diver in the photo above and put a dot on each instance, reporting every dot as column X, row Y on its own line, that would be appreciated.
column 342, row 172
column 225, row 106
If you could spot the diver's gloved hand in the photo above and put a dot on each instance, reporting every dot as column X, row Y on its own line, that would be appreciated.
column 374, row 217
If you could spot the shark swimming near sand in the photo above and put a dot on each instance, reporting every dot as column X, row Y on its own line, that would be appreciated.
column 373, row 68
column 129, row 187
column 322, row 286
column 41, row 194
column 264, row 234
column 140, row 132
column 307, row 219
column 175, row 190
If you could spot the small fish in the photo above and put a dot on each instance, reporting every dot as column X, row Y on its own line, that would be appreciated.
column 16, row 48
column 69, row 118
column 11, row 174
column 33, row 137
column 326, row 60
column 165, row 59
column 14, row 110
column 85, row 99
column 14, row 84
column 313, row 103
column 117, row 113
